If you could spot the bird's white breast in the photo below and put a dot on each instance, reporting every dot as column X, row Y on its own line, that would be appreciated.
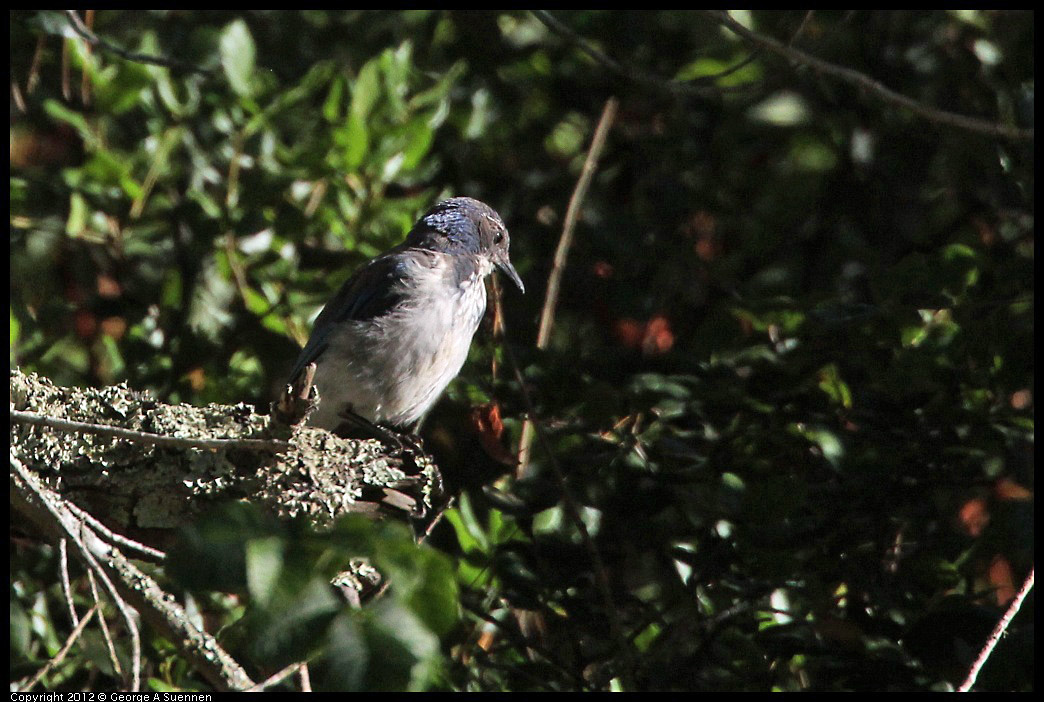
column 393, row 368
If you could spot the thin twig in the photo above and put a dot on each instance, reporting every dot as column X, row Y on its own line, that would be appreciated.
column 865, row 82
column 142, row 437
column 16, row 96
column 517, row 638
column 554, row 281
column 572, row 511
column 77, row 532
column 998, row 632
column 33, row 79
column 48, row 511
column 124, row 609
column 63, row 570
column 106, row 634
column 801, row 27
column 638, row 78
column 113, row 536
column 85, row 75
column 62, row 652
column 734, row 67
column 66, row 90
column 277, row 678
column 306, row 678
column 547, row 315
column 91, row 38
column 546, row 323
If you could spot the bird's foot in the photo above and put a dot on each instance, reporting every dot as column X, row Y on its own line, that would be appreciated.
column 297, row 400
column 354, row 426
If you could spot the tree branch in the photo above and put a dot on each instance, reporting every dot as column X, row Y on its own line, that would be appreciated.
column 94, row 40
column 872, row 86
column 139, row 465
column 640, row 78
column 147, row 466
column 998, row 632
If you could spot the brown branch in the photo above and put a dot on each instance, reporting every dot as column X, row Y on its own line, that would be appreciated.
column 565, row 241
column 128, row 585
column 547, row 316
column 998, row 632
column 277, row 678
column 110, row 647
column 94, row 40
column 141, row 437
column 639, row 78
column 63, row 572
column 874, row 87
column 62, row 653
column 34, row 500
column 85, row 74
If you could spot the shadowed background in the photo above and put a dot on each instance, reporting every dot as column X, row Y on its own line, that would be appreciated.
column 789, row 380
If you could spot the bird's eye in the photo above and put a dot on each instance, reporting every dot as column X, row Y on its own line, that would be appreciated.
column 498, row 237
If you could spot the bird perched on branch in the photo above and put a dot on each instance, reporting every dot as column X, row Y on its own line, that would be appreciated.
column 398, row 331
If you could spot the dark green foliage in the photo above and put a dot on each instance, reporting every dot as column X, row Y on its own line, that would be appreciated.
column 790, row 379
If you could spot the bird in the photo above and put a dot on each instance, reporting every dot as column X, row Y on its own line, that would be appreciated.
column 399, row 329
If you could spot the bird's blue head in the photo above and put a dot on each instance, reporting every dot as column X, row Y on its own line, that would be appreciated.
column 465, row 226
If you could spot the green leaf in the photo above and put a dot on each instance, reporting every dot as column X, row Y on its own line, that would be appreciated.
column 294, row 623
column 783, row 109
column 831, row 383
column 334, row 98
column 356, row 141
column 366, row 90
column 74, row 119
column 419, row 142
column 237, row 57
column 264, row 564
column 404, row 653
column 709, row 67
column 16, row 328
column 347, row 655
column 21, row 630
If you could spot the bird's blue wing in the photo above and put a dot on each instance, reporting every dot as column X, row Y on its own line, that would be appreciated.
column 369, row 293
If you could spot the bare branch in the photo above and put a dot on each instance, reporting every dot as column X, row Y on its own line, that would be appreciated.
column 277, row 678
column 110, row 647
column 31, row 492
column 94, row 40
column 565, row 240
column 62, row 652
column 63, row 571
column 547, row 314
column 142, row 437
column 194, row 456
column 113, row 536
column 998, row 632
column 546, row 323
column 128, row 585
column 872, row 86
column 640, row 78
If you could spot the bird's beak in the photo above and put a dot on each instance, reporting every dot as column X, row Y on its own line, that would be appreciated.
column 505, row 265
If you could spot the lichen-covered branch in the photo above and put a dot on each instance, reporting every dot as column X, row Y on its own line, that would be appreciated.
column 88, row 463
column 157, row 465
column 126, row 583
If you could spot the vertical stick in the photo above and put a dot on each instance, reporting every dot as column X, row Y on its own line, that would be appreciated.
column 998, row 632
column 554, row 281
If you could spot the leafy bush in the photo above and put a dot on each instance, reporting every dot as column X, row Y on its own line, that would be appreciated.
column 786, row 409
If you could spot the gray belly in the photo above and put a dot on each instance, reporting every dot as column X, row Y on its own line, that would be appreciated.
column 391, row 370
